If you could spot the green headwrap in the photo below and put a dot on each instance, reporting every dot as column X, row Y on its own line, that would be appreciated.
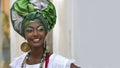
column 24, row 11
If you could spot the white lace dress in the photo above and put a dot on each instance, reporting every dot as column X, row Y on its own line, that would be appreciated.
column 55, row 61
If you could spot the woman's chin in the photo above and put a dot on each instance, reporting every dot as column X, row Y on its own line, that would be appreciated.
column 37, row 45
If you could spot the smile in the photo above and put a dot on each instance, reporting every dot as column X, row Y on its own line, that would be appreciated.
column 36, row 40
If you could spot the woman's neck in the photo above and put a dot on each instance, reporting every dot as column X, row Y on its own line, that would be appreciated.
column 35, row 56
column 37, row 52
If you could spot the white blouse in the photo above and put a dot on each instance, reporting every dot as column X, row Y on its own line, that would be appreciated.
column 55, row 61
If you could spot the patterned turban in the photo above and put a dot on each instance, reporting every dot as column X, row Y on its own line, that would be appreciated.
column 24, row 11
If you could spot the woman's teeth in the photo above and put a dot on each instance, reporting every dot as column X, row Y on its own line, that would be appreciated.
column 36, row 40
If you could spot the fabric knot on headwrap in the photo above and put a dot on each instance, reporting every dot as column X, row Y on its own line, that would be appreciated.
column 24, row 11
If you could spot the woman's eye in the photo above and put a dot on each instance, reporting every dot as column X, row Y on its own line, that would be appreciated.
column 29, row 30
column 41, row 28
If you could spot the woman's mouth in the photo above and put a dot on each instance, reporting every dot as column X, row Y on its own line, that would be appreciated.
column 36, row 40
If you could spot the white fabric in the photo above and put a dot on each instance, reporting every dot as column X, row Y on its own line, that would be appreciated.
column 39, row 4
column 55, row 61
column 33, row 66
column 17, row 20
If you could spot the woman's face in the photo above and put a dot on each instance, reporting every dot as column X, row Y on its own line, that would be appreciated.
column 35, row 34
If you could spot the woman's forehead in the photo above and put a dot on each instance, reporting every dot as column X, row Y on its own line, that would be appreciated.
column 33, row 24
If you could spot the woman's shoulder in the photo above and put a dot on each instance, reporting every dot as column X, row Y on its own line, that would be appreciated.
column 60, row 61
column 57, row 57
column 18, row 60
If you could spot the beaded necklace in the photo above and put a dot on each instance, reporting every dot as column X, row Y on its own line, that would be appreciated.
column 28, row 55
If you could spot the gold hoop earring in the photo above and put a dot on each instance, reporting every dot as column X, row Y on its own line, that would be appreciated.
column 25, row 47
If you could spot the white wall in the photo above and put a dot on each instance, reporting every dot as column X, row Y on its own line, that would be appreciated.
column 96, row 31
column 63, row 33
column 60, row 36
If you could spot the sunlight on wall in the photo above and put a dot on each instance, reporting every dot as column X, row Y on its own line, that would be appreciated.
column 56, row 30
column 61, row 32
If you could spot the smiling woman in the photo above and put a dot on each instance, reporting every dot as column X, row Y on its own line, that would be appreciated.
column 35, row 34
column 33, row 19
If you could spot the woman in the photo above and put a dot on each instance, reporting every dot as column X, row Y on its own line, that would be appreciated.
column 33, row 19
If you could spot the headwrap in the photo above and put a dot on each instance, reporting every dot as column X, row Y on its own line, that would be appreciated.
column 24, row 11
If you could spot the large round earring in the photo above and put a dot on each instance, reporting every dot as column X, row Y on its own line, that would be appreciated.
column 25, row 47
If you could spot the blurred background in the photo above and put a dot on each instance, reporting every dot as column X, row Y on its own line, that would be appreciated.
column 4, row 34
column 87, row 31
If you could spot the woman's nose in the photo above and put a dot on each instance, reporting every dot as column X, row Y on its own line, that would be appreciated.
column 35, row 33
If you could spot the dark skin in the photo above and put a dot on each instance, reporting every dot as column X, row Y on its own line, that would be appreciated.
column 35, row 34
